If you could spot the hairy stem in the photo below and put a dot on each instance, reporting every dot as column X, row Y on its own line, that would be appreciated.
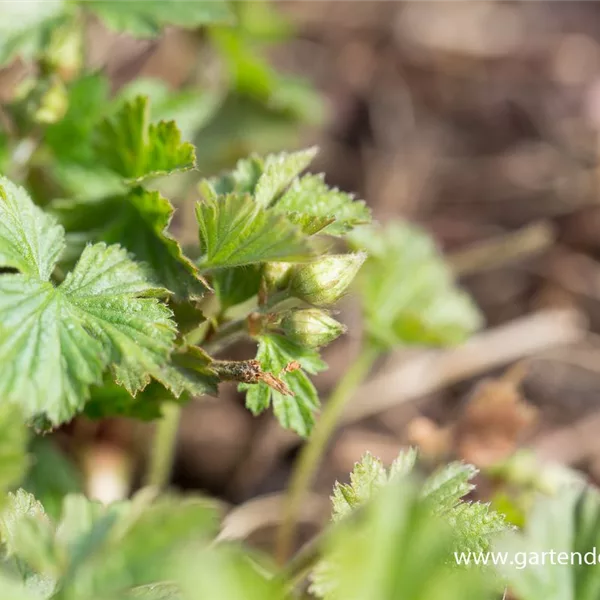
column 163, row 447
column 312, row 453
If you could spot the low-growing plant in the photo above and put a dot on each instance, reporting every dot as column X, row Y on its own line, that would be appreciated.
column 104, row 313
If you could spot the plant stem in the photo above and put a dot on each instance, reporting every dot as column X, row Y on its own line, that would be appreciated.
column 312, row 453
column 163, row 447
column 226, row 335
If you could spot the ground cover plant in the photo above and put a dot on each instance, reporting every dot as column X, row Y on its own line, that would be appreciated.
column 104, row 313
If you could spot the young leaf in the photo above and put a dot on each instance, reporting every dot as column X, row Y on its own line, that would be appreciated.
column 241, row 180
column 146, row 19
column 397, row 550
column 129, row 145
column 279, row 172
column 235, row 231
column 295, row 410
column 407, row 290
column 318, row 208
column 566, row 523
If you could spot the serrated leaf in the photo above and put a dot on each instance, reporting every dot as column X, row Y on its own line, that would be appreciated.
column 567, row 522
column 296, row 411
column 30, row 240
column 396, row 551
column 240, row 180
column 279, row 172
column 56, row 341
column 139, row 221
column 147, row 18
column 407, row 290
column 23, row 26
column 128, row 144
column 318, row 208
column 235, row 231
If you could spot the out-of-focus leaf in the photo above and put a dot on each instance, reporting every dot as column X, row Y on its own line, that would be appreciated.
column 228, row 574
column 296, row 410
column 397, row 551
column 565, row 523
column 189, row 108
column 407, row 290
column 25, row 25
column 236, row 231
column 128, row 144
column 147, row 18
column 13, row 441
column 52, row 475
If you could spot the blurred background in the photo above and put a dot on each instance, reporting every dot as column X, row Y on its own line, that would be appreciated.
column 478, row 120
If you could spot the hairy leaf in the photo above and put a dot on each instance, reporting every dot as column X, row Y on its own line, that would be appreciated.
column 279, row 172
column 318, row 208
column 396, row 551
column 235, row 231
column 407, row 291
column 297, row 410
column 129, row 145
column 146, row 19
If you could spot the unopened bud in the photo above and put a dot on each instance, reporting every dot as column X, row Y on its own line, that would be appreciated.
column 53, row 103
column 311, row 327
column 324, row 281
column 276, row 275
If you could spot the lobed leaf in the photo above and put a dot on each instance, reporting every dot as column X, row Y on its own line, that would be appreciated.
column 407, row 290
column 296, row 410
column 318, row 208
column 235, row 231
column 128, row 144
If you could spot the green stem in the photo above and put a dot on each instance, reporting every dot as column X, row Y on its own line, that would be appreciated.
column 163, row 447
column 312, row 453
column 226, row 335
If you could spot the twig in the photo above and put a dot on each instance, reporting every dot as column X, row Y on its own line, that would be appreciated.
column 504, row 249
column 434, row 370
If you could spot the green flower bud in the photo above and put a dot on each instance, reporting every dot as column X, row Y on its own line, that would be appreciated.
column 276, row 275
column 311, row 327
column 53, row 103
column 324, row 281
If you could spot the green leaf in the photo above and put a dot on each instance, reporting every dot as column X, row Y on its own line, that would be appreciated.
column 407, row 290
column 318, row 208
column 138, row 221
column 567, row 522
column 25, row 25
column 234, row 286
column 56, row 341
column 279, row 172
column 296, row 410
column 30, row 240
column 227, row 573
column 147, row 18
column 241, row 180
column 13, row 442
column 190, row 108
column 52, row 475
column 398, row 551
column 129, row 145
column 235, row 231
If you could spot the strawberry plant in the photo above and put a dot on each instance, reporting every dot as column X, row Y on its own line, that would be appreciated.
column 103, row 312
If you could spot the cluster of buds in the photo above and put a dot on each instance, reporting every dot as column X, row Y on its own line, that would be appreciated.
column 320, row 283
